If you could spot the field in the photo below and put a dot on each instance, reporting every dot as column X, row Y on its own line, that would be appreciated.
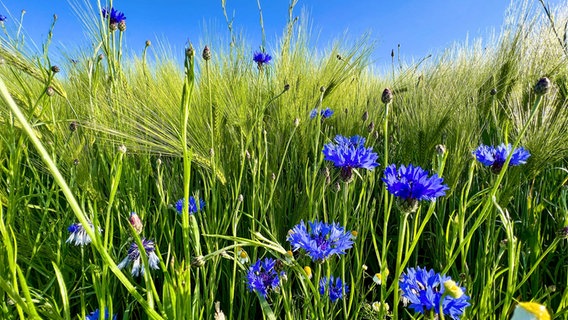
column 96, row 153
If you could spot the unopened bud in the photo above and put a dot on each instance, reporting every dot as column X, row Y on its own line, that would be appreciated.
column 493, row 92
column 371, row 127
column 113, row 26
column 440, row 149
column 55, row 69
column 101, row 57
column 386, row 97
column 308, row 272
column 135, row 222
column 76, row 162
column 339, row 57
column 240, row 198
column 322, row 89
column 50, row 91
column 122, row 149
column 189, row 52
column 286, row 87
column 206, row 54
column 148, row 43
column 73, row 126
column 542, row 86
column 296, row 122
column 122, row 25
column 365, row 116
column 198, row 261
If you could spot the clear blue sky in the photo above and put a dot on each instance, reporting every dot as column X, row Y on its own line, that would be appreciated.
column 420, row 27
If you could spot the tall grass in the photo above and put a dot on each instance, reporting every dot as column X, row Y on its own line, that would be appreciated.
column 113, row 134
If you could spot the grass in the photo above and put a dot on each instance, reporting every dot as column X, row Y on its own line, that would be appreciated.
column 240, row 138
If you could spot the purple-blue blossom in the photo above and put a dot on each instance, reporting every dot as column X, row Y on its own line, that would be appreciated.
column 263, row 277
column 322, row 241
column 333, row 287
column 495, row 157
column 350, row 153
column 422, row 289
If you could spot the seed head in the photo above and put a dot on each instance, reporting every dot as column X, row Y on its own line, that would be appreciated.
column 206, row 54
column 542, row 86
column 386, row 97
column 198, row 261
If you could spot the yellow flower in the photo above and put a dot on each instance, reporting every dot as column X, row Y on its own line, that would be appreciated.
column 530, row 311
column 453, row 289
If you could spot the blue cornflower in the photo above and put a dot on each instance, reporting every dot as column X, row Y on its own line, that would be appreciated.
column 423, row 289
column 193, row 208
column 79, row 236
column 495, row 157
column 412, row 184
column 134, row 256
column 350, row 153
column 263, row 276
column 325, row 113
column 261, row 58
column 2, row 18
column 96, row 315
column 322, row 241
column 115, row 17
column 334, row 288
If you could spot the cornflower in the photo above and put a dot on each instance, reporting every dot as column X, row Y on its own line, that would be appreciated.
column 134, row 257
column 261, row 58
column 325, row 113
column 411, row 184
column 334, row 288
column 193, row 208
column 78, row 234
column 96, row 315
column 322, row 241
column 263, row 276
column 115, row 17
column 495, row 157
column 350, row 153
column 425, row 290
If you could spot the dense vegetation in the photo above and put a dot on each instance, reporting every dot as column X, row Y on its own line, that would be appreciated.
column 106, row 135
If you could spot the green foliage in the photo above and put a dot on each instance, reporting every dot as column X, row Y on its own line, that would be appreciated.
column 240, row 138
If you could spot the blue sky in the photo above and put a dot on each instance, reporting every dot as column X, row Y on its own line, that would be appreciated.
column 420, row 27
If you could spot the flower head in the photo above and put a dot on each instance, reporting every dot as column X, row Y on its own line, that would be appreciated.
column 134, row 257
column 193, row 208
column 322, row 241
column 424, row 289
column 495, row 157
column 261, row 58
column 325, row 113
column 530, row 310
column 334, row 288
column 263, row 276
column 96, row 315
column 350, row 153
column 412, row 184
column 78, row 234
column 115, row 17
column 136, row 222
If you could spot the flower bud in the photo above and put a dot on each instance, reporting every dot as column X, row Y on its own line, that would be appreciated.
column 322, row 89
column 148, row 43
column 55, row 69
column 296, row 122
column 101, row 57
column 73, row 126
column 286, row 87
column 113, row 26
column 365, row 116
column 122, row 149
column 122, row 26
column 371, row 127
column 542, row 86
column 440, row 149
column 493, row 92
column 189, row 52
column 76, row 162
column 50, row 91
column 206, row 54
column 386, row 97
column 135, row 222
column 308, row 271
column 198, row 261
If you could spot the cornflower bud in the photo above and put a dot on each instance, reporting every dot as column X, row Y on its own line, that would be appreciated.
column 148, row 43
column 73, row 126
column 542, row 86
column 122, row 26
column 386, row 97
column 206, row 54
column 55, row 69
column 50, row 91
